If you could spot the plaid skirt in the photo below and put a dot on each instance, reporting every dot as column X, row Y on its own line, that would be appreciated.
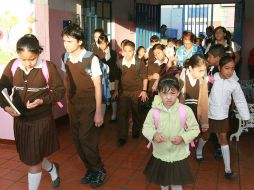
column 168, row 173
column 35, row 139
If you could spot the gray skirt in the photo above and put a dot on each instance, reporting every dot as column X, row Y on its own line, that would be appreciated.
column 35, row 139
column 168, row 173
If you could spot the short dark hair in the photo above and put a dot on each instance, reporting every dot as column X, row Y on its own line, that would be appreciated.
column 158, row 46
column 154, row 38
column 225, row 60
column 30, row 43
column 129, row 43
column 217, row 50
column 168, row 82
column 103, row 38
column 73, row 30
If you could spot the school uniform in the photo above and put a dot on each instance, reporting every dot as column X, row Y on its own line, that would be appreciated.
column 131, row 78
column 34, row 131
column 94, row 47
column 82, row 106
column 169, row 162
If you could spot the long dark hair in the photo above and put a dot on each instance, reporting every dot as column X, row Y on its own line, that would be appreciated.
column 28, row 42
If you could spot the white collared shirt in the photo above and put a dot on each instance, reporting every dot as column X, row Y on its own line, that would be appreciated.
column 191, row 79
column 160, row 63
column 38, row 65
column 133, row 61
column 95, row 65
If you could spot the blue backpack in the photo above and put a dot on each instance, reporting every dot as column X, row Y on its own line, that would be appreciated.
column 104, row 77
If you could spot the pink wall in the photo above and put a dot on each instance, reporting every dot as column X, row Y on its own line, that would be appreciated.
column 248, row 43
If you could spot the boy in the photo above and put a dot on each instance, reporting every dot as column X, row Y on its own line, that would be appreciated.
column 84, row 95
column 134, row 86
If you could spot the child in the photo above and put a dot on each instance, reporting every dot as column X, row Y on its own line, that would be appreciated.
column 34, row 129
column 120, row 53
column 224, row 88
column 168, row 164
column 134, row 89
column 141, row 54
column 84, row 96
column 170, row 49
column 149, row 52
column 109, row 57
column 94, row 46
column 195, row 93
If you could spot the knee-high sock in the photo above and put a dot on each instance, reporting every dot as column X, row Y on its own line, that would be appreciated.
column 226, row 157
column 199, row 150
column 164, row 187
column 114, row 110
column 50, row 167
column 103, row 109
column 176, row 187
column 34, row 181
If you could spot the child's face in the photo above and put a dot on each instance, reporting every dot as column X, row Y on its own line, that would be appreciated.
column 170, row 44
column 198, row 72
column 71, row 44
column 169, row 97
column 219, row 35
column 226, row 71
column 103, row 45
column 28, row 59
column 142, row 52
column 213, row 60
column 128, row 52
column 159, row 55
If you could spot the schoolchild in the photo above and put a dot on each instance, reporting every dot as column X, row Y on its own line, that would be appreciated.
column 34, row 130
column 108, row 56
column 133, row 77
column 141, row 54
column 169, row 162
column 84, row 97
column 94, row 46
column 149, row 51
column 195, row 93
column 170, row 49
column 224, row 88
column 120, row 52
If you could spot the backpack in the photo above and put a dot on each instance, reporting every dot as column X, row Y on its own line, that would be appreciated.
column 45, row 73
column 104, row 77
column 156, row 117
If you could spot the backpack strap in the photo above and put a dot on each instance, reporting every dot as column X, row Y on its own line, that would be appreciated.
column 182, row 112
column 45, row 70
column 14, row 66
column 156, row 117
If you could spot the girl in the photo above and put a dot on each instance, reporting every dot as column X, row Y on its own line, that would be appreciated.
column 94, row 46
column 225, row 86
column 195, row 93
column 168, row 164
column 170, row 50
column 34, row 129
column 109, row 57
column 141, row 54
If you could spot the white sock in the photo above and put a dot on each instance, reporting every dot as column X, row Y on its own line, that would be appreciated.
column 114, row 110
column 47, row 165
column 164, row 187
column 34, row 181
column 103, row 109
column 199, row 150
column 176, row 187
column 226, row 157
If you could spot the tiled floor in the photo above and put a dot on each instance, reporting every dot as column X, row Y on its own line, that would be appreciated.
column 125, row 165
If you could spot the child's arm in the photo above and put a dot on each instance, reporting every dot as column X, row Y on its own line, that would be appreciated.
column 240, row 102
column 192, row 130
column 148, row 126
column 98, row 119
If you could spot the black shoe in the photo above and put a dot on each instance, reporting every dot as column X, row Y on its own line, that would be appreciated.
column 121, row 142
column 218, row 154
column 199, row 158
column 230, row 175
column 57, row 181
column 87, row 178
column 98, row 178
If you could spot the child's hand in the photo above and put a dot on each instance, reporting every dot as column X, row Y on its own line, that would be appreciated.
column 114, row 95
column 177, row 140
column 11, row 111
column 156, row 76
column 143, row 96
column 159, row 138
column 98, row 119
column 204, row 129
column 34, row 104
